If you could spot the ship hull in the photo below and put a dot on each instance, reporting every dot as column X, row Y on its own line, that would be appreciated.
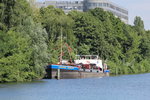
column 72, row 74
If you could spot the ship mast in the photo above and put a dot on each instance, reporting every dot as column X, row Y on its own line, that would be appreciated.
column 61, row 47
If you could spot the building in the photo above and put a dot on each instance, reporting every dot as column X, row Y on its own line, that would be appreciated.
column 65, row 5
column 84, row 5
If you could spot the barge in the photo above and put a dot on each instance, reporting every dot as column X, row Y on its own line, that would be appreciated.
column 84, row 66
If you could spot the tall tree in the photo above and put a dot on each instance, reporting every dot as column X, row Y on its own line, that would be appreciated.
column 139, row 25
column 6, row 10
column 145, row 46
column 57, row 25
column 24, row 54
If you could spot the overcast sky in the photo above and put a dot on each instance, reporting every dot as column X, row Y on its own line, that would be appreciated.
column 136, row 8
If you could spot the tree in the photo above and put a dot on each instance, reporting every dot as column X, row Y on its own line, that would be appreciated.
column 85, row 30
column 15, row 58
column 6, row 10
column 57, row 24
column 139, row 25
column 34, row 33
column 145, row 47
column 24, row 55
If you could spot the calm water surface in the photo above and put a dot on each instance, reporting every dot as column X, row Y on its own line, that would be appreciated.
column 128, row 87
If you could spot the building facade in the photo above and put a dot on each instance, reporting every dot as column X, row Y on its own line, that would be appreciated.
column 84, row 5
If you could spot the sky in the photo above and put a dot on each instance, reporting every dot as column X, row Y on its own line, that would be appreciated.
column 136, row 8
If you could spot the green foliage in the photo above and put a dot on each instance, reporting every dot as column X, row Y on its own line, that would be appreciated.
column 23, row 44
column 14, row 60
column 6, row 10
column 57, row 23
column 99, row 32
column 139, row 25
column 84, row 30
column 30, row 38
column 144, row 46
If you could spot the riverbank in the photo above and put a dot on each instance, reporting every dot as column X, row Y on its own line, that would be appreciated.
column 129, row 68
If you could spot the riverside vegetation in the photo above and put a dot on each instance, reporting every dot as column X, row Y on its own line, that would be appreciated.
column 30, row 39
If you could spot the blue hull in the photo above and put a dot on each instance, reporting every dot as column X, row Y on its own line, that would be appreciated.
column 63, row 67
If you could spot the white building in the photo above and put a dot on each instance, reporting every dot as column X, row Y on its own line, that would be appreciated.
column 84, row 5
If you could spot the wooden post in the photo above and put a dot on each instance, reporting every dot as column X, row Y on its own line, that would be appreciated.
column 58, row 74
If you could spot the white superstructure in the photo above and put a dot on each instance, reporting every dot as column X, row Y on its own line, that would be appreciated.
column 89, row 59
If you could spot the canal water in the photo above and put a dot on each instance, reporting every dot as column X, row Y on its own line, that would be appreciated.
column 127, row 87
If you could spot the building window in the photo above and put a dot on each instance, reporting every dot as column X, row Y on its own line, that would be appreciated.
column 112, row 6
column 94, row 4
column 80, row 7
column 90, row 4
column 104, row 4
column 107, row 4
column 100, row 4
column 76, row 2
